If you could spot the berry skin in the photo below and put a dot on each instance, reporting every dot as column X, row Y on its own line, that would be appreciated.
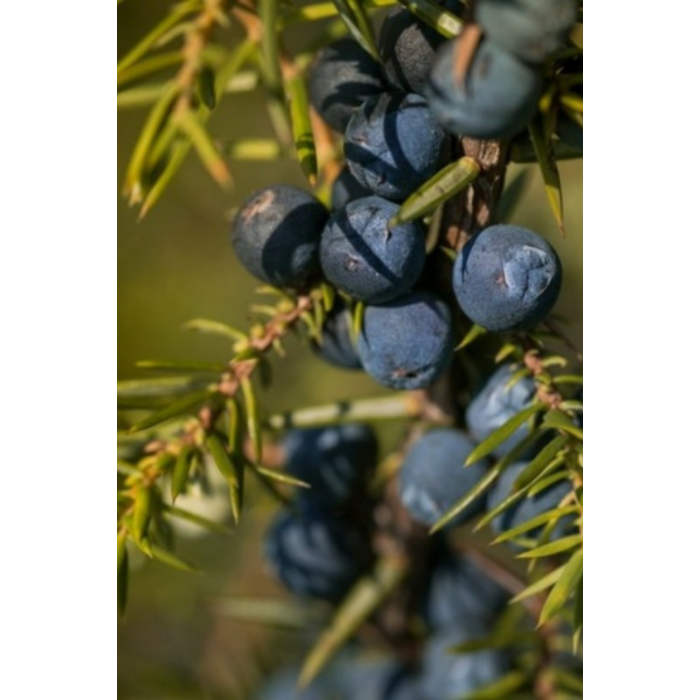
column 461, row 591
column 408, row 343
column 507, row 278
column 346, row 189
column 316, row 555
column 276, row 235
column 342, row 76
column 338, row 347
column 496, row 100
column 433, row 477
column 530, row 29
column 527, row 508
column 495, row 404
column 447, row 676
column 393, row 144
column 363, row 257
column 334, row 461
column 407, row 47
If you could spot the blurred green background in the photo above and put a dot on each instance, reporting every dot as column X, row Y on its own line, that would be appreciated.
column 175, row 265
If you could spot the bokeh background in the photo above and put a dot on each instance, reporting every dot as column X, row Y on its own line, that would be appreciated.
column 178, row 264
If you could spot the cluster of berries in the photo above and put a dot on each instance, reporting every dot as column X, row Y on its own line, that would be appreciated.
column 396, row 118
column 319, row 549
column 429, row 493
column 506, row 278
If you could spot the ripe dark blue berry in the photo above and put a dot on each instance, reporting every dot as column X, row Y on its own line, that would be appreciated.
column 407, row 47
column 362, row 256
column 334, row 461
column 346, row 189
column 316, row 555
column 393, row 144
column 530, row 29
column 496, row 404
column 507, row 278
column 529, row 507
column 337, row 346
column 276, row 235
column 447, row 675
column 408, row 343
column 342, row 76
column 433, row 476
column 461, row 591
column 495, row 99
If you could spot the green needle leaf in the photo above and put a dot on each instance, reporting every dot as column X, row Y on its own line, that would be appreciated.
column 150, row 40
column 282, row 478
column 499, row 436
column 159, row 386
column 236, row 496
column 211, row 367
column 518, row 495
column 144, row 505
column 573, row 101
column 355, row 17
column 270, row 67
column 504, row 687
column 367, row 596
column 301, row 127
column 178, row 154
column 560, row 421
column 206, row 88
column 441, row 187
column 434, row 16
column 358, row 318
column 480, row 488
column 393, row 407
column 231, row 469
column 328, row 292
column 150, row 65
column 538, row 521
column 179, row 408
column 540, row 463
column 193, row 127
column 553, row 548
column 133, row 186
column 222, row 459
column 570, row 578
column 198, row 520
column 252, row 417
column 550, row 170
column 181, row 472
column 542, row 585
column 204, row 325
column 172, row 560
column 273, row 613
column 475, row 332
